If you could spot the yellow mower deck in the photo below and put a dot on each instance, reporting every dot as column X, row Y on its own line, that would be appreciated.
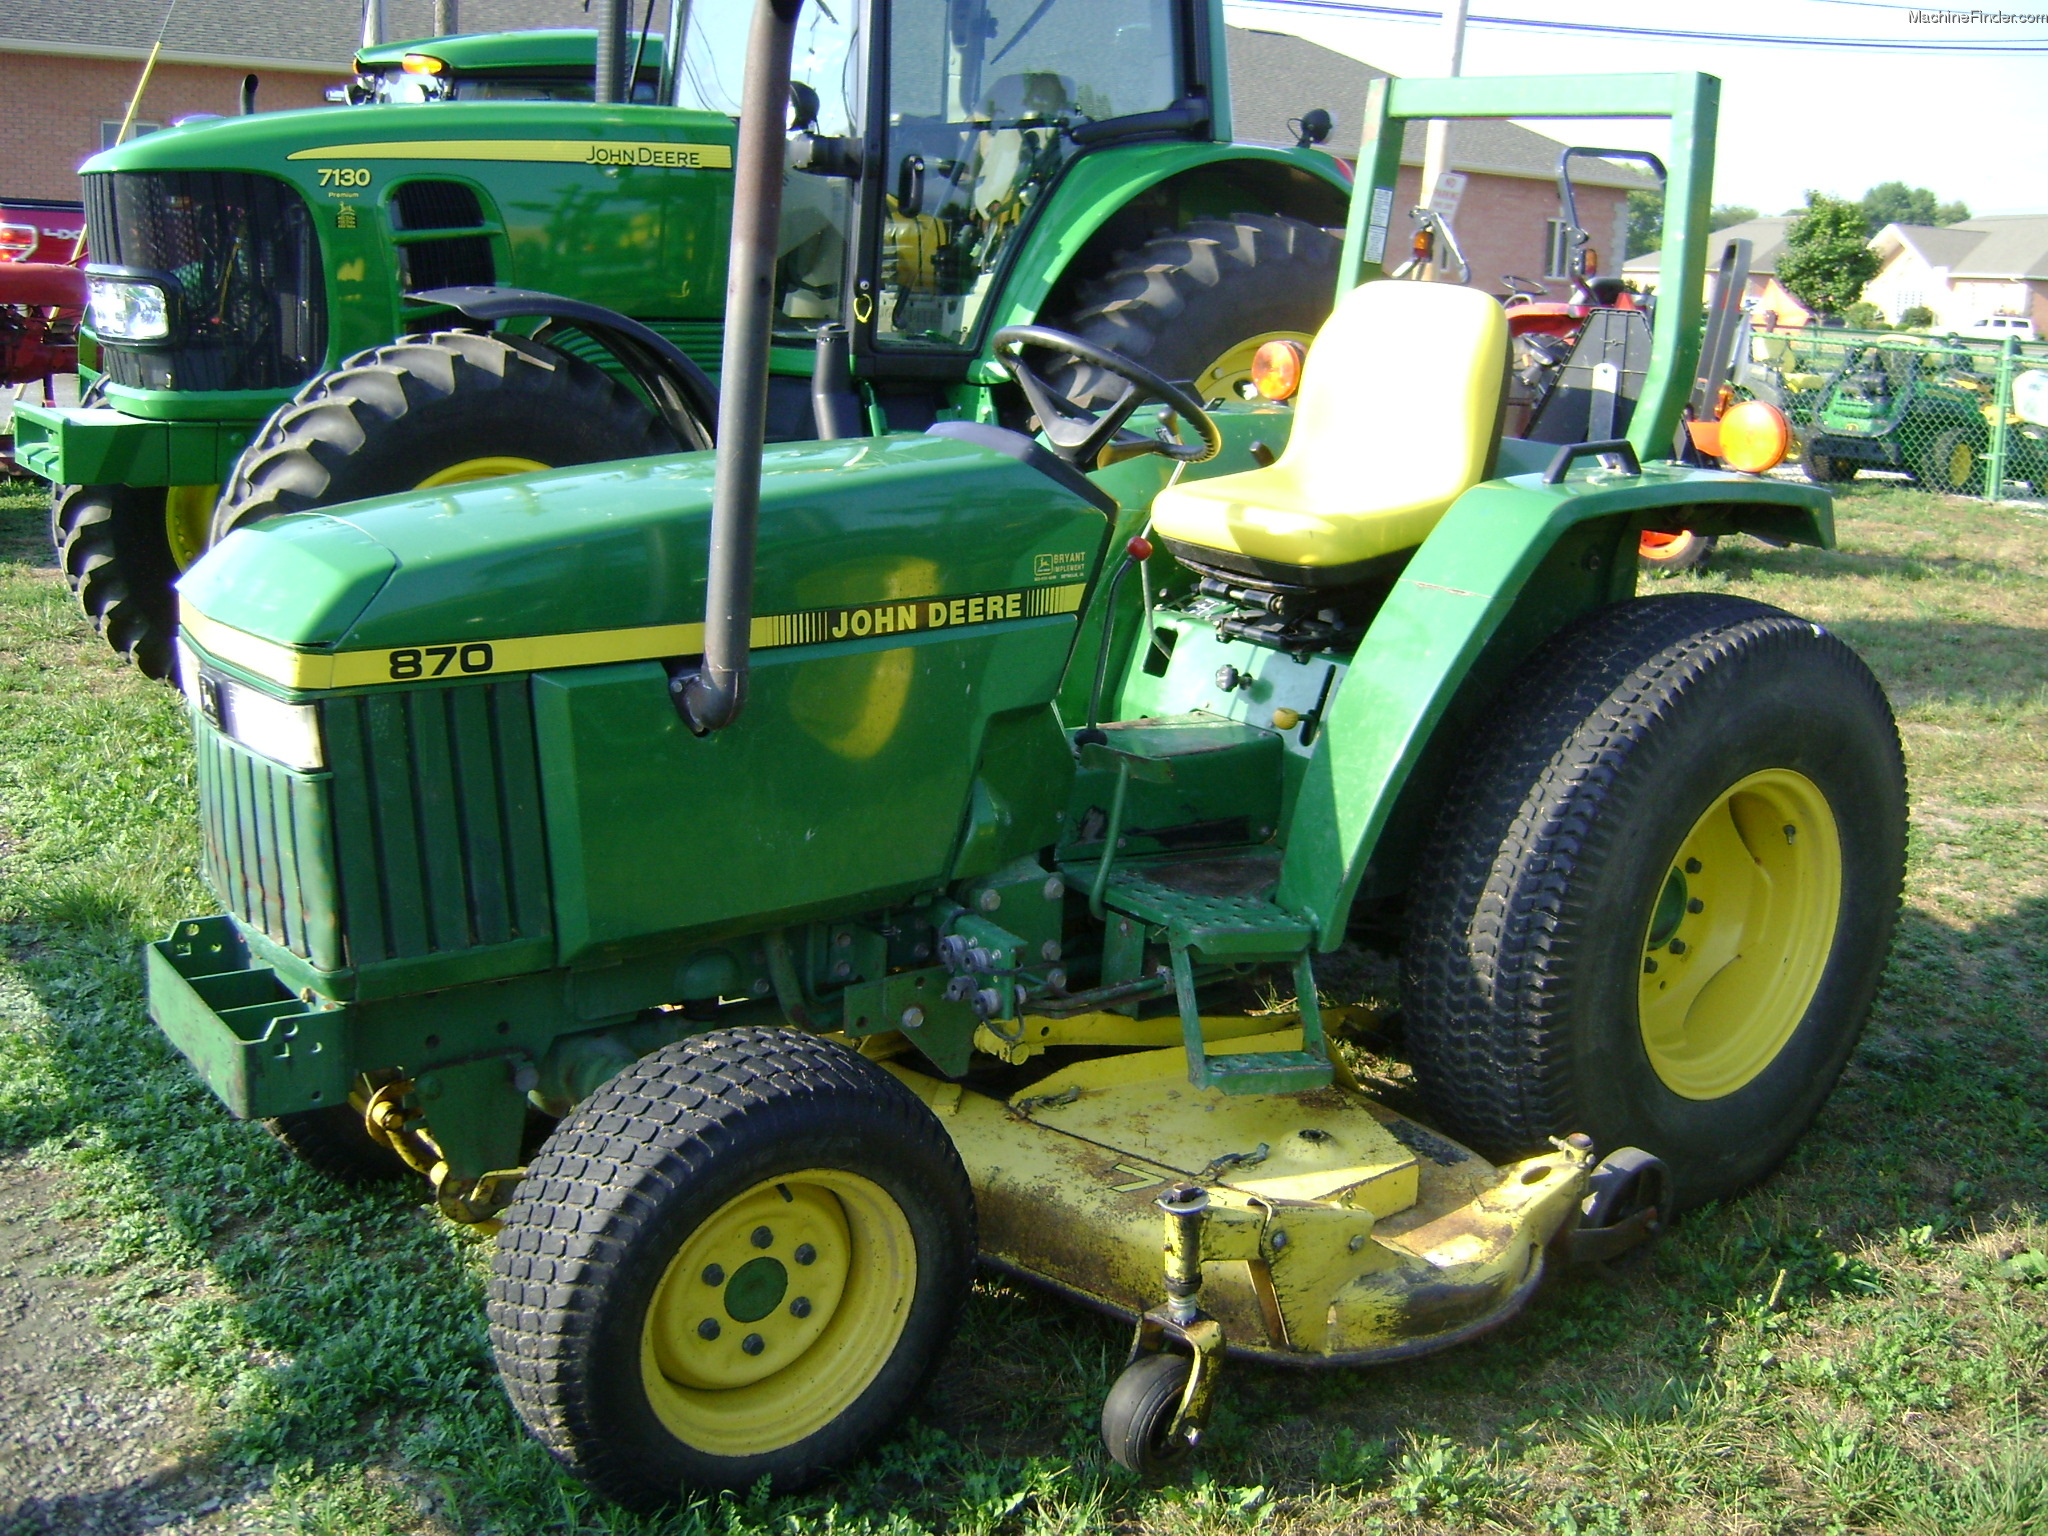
column 1336, row 1231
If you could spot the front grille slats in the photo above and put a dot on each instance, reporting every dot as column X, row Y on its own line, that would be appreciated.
column 241, row 252
column 267, row 837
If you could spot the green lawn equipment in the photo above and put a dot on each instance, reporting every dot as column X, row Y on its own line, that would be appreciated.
column 559, row 267
column 868, row 873
column 1905, row 406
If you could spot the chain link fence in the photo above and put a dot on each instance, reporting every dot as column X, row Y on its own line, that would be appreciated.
column 1960, row 416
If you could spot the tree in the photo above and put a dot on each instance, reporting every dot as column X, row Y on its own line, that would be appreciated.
column 1828, row 258
column 1645, row 221
column 1893, row 202
column 1728, row 215
column 1915, row 317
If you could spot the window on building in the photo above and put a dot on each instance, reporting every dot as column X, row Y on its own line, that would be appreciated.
column 110, row 133
column 1557, row 258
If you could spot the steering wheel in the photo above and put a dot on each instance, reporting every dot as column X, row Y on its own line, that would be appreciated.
column 1077, row 434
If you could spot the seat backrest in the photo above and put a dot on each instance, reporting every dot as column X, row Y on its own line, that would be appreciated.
column 1404, row 383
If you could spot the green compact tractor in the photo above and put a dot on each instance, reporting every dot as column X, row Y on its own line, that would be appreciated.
column 1902, row 406
column 880, row 853
column 555, row 269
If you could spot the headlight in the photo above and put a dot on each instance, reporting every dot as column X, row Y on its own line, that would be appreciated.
column 284, row 733
column 128, row 308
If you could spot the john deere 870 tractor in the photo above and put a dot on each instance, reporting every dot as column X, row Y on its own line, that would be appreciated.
column 953, row 166
column 882, row 852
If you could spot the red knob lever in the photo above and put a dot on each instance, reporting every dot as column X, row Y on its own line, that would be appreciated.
column 1139, row 548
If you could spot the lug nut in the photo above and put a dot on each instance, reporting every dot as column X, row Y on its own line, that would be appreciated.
column 713, row 1275
column 708, row 1329
column 762, row 1238
column 753, row 1344
column 1649, row 966
column 805, row 1254
column 1677, row 946
column 801, row 1307
column 1692, row 866
column 1695, row 905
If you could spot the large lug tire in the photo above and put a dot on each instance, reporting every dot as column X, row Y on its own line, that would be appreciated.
column 1195, row 304
column 738, row 1259
column 112, row 549
column 1667, row 554
column 1660, row 895
column 432, row 410
column 334, row 1143
column 1954, row 463
column 1825, row 468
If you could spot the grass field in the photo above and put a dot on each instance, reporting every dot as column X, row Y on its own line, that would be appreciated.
column 1860, row 1345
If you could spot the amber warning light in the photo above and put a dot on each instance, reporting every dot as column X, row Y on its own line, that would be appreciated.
column 1276, row 369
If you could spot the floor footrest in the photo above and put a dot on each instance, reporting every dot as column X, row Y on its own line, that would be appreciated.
column 1269, row 1072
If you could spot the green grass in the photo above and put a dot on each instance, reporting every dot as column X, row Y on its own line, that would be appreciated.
column 1860, row 1345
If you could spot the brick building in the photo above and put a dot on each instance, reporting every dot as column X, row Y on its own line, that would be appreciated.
column 1508, row 220
column 67, row 69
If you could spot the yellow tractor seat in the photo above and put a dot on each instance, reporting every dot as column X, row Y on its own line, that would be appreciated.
column 1398, row 415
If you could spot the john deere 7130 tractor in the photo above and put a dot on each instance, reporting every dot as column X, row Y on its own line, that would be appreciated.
column 954, row 166
column 883, row 852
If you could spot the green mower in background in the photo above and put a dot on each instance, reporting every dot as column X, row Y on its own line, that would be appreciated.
column 480, row 275
column 876, row 854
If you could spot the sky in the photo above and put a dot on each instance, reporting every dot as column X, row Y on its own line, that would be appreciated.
column 1969, row 125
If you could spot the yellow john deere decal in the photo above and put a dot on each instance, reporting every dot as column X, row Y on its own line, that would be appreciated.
column 316, row 670
column 678, row 157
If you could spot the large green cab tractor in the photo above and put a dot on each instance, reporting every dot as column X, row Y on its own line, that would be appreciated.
column 880, row 853
column 477, row 274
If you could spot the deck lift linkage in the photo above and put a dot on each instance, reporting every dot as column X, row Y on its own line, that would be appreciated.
column 903, row 910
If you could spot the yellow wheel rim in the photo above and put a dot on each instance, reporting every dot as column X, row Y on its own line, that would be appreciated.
column 1740, row 934
column 1961, row 460
column 488, row 468
column 777, row 1313
column 1224, row 378
column 188, row 518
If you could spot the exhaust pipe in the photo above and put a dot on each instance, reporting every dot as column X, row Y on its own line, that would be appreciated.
column 614, row 31
column 713, row 696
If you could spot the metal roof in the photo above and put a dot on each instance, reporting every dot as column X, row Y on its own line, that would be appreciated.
column 1275, row 76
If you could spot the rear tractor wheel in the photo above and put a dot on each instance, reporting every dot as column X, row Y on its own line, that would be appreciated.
column 1825, row 468
column 1954, row 463
column 738, row 1259
column 1661, row 894
column 1196, row 304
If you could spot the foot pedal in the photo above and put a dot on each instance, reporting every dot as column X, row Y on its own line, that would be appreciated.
column 1254, row 1071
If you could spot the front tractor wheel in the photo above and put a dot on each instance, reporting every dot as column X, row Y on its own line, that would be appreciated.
column 1661, row 894
column 431, row 411
column 739, row 1259
column 1196, row 304
column 1954, row 463
column 120, row 547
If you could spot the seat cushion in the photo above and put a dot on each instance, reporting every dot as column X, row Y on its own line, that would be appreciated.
column 1397, row 417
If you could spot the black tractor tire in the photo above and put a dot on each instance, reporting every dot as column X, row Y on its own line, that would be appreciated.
column 1954, row 463
column 111, row 548
column 1824, row 468
column 1687, row 552
column 1611, row 760
column 607, row 1255
column 388, row 419
column 1185, row 302
column 1139, row 1411
column 333, row 1143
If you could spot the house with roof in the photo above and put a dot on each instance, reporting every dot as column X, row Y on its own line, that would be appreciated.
column 1508, row 219
column 1966, row 272
column 1764, row 295
column 67, row 71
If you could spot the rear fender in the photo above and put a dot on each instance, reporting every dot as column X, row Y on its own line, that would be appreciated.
column 1512, row 563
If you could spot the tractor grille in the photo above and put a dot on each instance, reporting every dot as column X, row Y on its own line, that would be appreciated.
column 423, row 839
column 437, row 820
column 456, row 262
column 252, row 311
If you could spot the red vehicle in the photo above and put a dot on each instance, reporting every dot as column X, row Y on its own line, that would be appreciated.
column 42, row 294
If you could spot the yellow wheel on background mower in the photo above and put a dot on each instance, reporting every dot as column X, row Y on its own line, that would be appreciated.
column 1660, row 896
column 738, row 1259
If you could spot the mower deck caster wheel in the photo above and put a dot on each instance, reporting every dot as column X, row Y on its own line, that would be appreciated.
column 1629, row 1198
column 1137, row 1416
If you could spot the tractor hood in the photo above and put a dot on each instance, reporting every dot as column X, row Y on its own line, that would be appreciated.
column 577, row 566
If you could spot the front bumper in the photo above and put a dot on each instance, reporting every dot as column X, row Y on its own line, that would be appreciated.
column 261, row 1048
column 97, row 445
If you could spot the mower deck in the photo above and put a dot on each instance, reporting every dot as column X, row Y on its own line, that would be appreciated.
column 1337, row 1232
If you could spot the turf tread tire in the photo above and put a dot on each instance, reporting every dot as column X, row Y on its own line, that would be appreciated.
column 1497, row 983
column 588, row 1235
column 1182, row 299
column 389, row 417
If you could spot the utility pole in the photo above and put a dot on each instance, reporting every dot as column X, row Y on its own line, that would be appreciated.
column 373, row 23
column 1436, row 140
column 444, row 18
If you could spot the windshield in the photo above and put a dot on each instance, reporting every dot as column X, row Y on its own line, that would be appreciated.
column 983, row 98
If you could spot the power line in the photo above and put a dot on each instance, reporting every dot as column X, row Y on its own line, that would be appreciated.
column 1605, row 29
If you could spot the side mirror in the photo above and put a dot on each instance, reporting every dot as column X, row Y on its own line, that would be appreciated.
column 1312, row 127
